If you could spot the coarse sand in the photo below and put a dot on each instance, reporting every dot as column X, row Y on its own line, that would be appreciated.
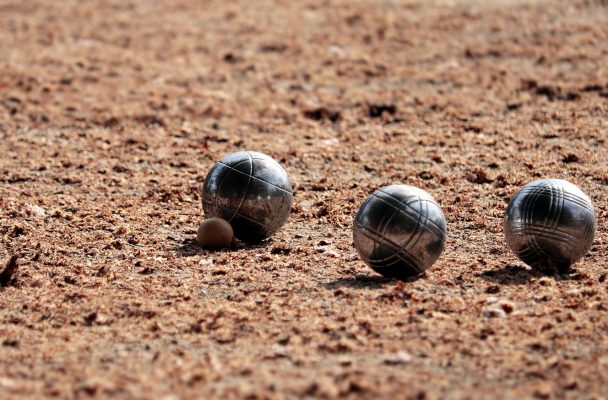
column 112, row 112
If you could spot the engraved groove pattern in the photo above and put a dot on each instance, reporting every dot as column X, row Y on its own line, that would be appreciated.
column 545, row 233
column 384, row 225
column 422, row 222
column 276, row 223
column 251, row 191
column 254, row 177
column 245, row 217
column 249, row 177
column 399, row 254
column 567, row 196
column 550, row 224
column 535, row 250
column 381, row 240
column 398, row 231
column 221, row 181
column 408, row 205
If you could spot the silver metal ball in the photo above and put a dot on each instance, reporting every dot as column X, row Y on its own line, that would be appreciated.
column 550, row 224
column 399, row 231
column 251, row 191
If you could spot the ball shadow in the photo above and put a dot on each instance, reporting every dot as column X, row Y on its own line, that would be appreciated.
column 511, row 274
column 367, row 282
column 190, row 247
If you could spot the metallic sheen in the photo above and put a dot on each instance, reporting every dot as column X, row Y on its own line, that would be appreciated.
column 399, row 231
column 550, row 224
column 251, row 191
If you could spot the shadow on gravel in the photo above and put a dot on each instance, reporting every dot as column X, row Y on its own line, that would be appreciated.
column 366, row 282
column 511, row 275
column 190, row 247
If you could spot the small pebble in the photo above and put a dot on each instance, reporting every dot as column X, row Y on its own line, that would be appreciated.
column 401, row 357
column 37, row 210
column 506, row 306
column 494, row 312
column 336, row 51
column 206, row 261
column 214, row 233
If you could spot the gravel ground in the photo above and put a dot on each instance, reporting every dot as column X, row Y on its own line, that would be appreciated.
column 112, row 112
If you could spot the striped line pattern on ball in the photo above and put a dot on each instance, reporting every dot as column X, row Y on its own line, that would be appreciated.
column 238, row 189
column 397, row 225
column 550, row 222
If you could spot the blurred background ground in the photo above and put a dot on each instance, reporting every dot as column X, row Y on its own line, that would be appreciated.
column 112, row 112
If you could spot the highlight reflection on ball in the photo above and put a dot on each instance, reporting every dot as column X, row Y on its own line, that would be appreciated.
column 399, row 231
column 251, row 191
column 550, row 224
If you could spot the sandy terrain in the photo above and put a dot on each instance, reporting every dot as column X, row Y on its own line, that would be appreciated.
column 112, row 112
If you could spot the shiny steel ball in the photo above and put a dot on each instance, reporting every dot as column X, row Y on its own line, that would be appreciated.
column 550, row 224
column 399, row 231
column 251, row 191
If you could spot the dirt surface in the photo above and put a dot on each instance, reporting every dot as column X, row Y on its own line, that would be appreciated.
column 112, row 112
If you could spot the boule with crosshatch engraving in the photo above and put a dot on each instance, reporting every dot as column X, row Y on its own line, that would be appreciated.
column 550, row 224
column 400, row 231
column 251, row 191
